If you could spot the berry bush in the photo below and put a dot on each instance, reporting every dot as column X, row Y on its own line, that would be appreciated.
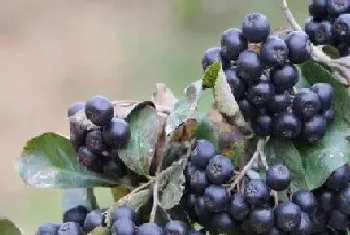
column 269, row 157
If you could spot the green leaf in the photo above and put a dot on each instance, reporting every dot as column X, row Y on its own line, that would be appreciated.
column 119, row 192
column 79, row 197
column 172, row 186
column 139, row 151
column 48, row 161
column 100, row 231
column 331, row 51
column 184, row 107
column 211, row 74
column 135, row 200
column 284, row 152
column 7, row 227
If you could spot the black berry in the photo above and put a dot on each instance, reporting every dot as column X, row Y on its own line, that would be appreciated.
column 123, row 227
column 256, row 27
column 124, row 212
column 219, row 169
column 93, row 220
column 239, row 208
column 323, row 34
column 325, row 93
column 70, row 228
column 199, row 181
column 306, row 104
column 285, row 77
column 94, row 142
column 261, row 220
column 238, row 87
column 216, row 198
column 311, row 27
column 341, row 28
column 318, row 8
column 298, row 43
column 248, row 111
column 339, row 178
column 278, row 177
column 305, row 227
column 314, row 129
column 113, row 167
column 48, row 229
column 175, row 227
column 260, row 94
column 287, row 125
column 211, row 56
column 77, row 134
column 202, row 211
column 116, row 132
column 99, row 110
column 262, row 125
column 222, row 223
column 305, row 200
column 203, row 152
column 274, row 52
column 76, row 214
column 232, row 43
column 256, row 192
column 280, row 102
column 325, row 199
column 75, row 108
column 149, row 228
column 249, row 66
column 344, row 49
column 338, row 220
column 337, row 7
column 319, row 221
column 288, row 216
column 90, row 160
column 344, row 201
column 276, row 231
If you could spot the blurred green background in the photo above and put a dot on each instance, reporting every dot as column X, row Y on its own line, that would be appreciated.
column 54, row 52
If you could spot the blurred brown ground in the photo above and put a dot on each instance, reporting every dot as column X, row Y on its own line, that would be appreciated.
column 54, row 52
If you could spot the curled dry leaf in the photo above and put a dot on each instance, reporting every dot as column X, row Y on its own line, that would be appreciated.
column 122, row 108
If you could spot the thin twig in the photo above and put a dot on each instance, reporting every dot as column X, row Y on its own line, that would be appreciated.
column 155, row 197
column 289, row 15
column 262, row 153
column 275, row 196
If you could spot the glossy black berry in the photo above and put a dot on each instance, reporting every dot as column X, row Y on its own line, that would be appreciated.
column 288, row 216
column 219, row 169
column 339, row 178
column 222, row 223
column 211, row 56
column 123, row 227
column 344, row 201
column 305, row 200
column 47, row 229
column 76, row 214
column 99, row 110
column 175, row 227
column 74, row 108
column 124, row 212
column 311, row 27
column 70, row 228
column 256, row 28
column 113, row 167
column 318, row 8
column 305, row 227
column 325, row 93
column 325, row 199
column 261, row 220
column 274, row 52
column 216, row 198
column 238, row 86
column 260, row 94
column 280, row 102
column 249, row 66
column 337, row 7
column 116, row 133
column 341, row 28
column 287, row 126
column 94, row 142
column 148, row 229
column 239, row 208
column 323, row 34
column 306, row 104
column 276, row 231
column 298, row 43
column 194, row 232
column 90, row 160
column 263, row 125
column 256, row 192
column 278, row 177
column 338, row 220
column 232, row 43
column 199, row 181
column 285, row 77
column 201, row 210
column 202, row 153
column 314, row 129
column 93, row 220
column 329, row 115
column 248, row 111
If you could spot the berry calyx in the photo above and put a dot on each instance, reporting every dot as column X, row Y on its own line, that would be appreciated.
column 260, row 94
column 216, row 198
column 274, row 52
column 288, row 216
column 306, row 104
column 278, row 177
column 219, row 169
column 287, row 126
column 256, row 192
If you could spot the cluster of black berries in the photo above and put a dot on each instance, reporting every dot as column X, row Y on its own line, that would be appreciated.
column 209, row 200
column 262, row 82
column 96, row 135
column 329, row 24
column 79, row 221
